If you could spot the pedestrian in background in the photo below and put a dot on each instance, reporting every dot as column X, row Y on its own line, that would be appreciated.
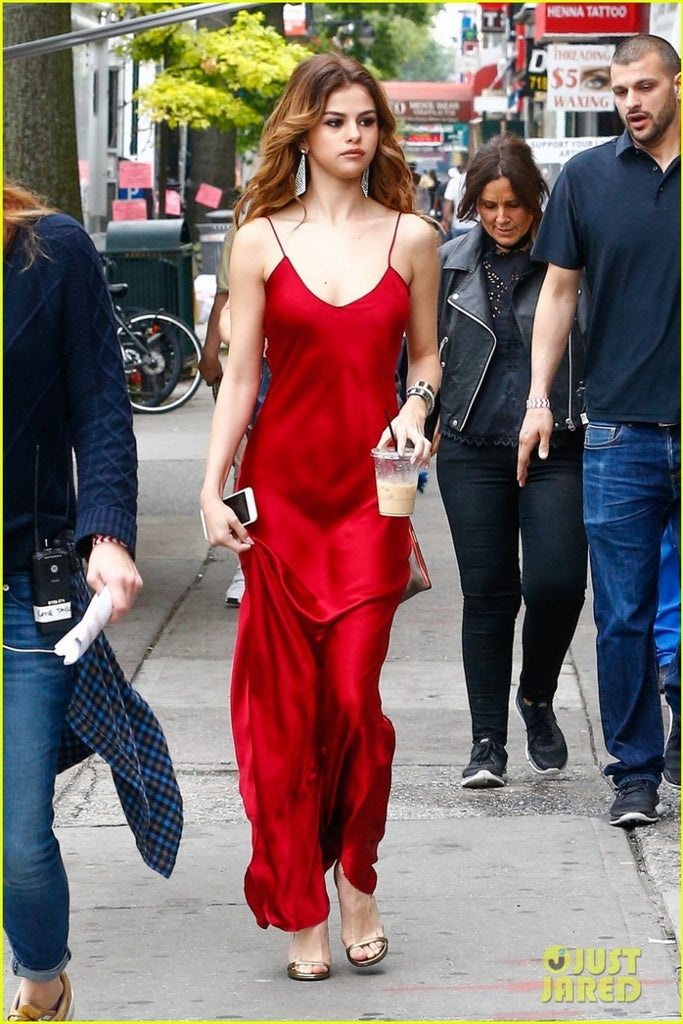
column 210, row 365
column 668, row 619
column 668, row 642
column 487, row 300
column 211, row 369
column 452, row 223
column 615, row 211
column 65, row 393
column 332, row 267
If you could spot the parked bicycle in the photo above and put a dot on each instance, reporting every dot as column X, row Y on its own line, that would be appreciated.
column 160, row 357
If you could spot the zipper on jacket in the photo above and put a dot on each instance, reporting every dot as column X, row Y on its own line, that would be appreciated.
column 570, row 396
column 488, row 361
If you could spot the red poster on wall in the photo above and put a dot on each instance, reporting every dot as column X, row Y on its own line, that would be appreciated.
column 209, row 195
column 134, row 175
column 173, row 203
column 553, row 20
column 129, row 209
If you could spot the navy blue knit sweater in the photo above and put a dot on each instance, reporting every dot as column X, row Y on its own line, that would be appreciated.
column 64, row 391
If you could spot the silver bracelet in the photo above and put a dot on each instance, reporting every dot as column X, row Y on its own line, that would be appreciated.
column 538, row 403
column 425, row 391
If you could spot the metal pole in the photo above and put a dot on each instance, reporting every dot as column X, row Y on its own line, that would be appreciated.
column 182, row 160
column 129, row 26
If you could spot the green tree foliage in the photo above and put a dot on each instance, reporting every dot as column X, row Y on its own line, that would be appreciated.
column 229, row 78
column 401, row 45
column 409, row 47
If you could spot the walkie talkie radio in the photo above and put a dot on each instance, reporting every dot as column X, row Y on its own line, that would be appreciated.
column 50, row 577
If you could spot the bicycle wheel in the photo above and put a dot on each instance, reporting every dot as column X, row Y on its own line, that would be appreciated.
column 175, row 377
column 152, row 361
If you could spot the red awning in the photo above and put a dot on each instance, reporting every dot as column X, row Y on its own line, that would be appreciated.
column 430, row 101
column 438, row 101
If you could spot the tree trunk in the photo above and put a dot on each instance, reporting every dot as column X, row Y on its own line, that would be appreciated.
column 40, row 148
column 212, row 160
column 211, row 152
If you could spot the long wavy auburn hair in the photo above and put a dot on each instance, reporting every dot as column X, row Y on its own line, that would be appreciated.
column 21, row 208
column 300, row 108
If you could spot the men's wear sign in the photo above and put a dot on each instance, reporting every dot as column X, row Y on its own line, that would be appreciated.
column 578, row 77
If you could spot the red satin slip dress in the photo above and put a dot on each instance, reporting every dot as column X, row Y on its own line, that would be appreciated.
column 323, row 582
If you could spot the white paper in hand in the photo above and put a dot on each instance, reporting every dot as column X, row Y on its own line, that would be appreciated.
column 78, row 640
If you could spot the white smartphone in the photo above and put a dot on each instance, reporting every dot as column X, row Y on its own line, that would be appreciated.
column 243, row 505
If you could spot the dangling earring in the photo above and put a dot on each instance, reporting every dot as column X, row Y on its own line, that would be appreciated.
column 300, row 176
column 365, row 182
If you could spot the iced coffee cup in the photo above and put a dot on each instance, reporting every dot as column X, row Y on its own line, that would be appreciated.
column 396, row 479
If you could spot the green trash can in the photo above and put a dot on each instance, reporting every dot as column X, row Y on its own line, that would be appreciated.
column 154, row 258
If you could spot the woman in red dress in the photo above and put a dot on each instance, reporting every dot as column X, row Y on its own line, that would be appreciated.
column 332, row 267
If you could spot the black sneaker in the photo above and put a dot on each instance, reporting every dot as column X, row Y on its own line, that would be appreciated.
column 636, row 804
column 672, row 752
column 486, row 769
column 546, row 750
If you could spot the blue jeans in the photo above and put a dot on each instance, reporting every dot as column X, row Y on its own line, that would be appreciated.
column 36, row 693
column 631, row 489
column 668, row 621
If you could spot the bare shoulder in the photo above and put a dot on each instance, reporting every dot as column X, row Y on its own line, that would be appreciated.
column 418, row 233
column 251, row 246
column 417, row 244
column 249, row 237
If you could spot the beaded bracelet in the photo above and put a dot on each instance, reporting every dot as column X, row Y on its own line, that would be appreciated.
column 422, row 389
column 538, row 403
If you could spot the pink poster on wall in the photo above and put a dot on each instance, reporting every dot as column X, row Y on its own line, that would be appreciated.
column 209, row 195
column 129, row 209
column 134, row 175
column 173, row 203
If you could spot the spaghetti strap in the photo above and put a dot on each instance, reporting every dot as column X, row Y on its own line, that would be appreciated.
column 391, row 247
column 277, row 237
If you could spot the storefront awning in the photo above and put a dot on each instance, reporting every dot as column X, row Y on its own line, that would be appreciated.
column 438, row 102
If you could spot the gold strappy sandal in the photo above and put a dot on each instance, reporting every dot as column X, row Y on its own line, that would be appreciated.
column 294, row 970
column 370, row 961
column 382, row 939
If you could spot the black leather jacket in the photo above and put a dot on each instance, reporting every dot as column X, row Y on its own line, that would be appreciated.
column 467, row 339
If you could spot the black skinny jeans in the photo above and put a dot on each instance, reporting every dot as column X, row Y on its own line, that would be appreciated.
column 488, row 512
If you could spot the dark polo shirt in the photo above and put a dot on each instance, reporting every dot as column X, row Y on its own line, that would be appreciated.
column 615, row 213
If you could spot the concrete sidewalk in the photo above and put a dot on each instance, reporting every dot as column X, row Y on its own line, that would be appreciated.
column 475, row 887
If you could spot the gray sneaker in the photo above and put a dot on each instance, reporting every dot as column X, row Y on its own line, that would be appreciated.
column 546, row 750
column 636, row 804
column 486, row 769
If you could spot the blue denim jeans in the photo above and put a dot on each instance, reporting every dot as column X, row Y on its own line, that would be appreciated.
column 36, row 693
column 631, row 489
column 668, row 621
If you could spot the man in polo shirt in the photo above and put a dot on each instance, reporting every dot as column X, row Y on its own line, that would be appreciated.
column 615, row 212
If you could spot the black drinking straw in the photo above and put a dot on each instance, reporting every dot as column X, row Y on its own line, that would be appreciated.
column 391, row 429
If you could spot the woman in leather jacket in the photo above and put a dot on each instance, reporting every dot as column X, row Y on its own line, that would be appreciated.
column 489, row 288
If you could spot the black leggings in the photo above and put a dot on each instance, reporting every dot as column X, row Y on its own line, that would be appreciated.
column 487, row 513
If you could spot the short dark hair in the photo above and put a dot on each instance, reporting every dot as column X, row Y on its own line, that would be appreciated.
column 505, row 156
column 636, row 47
